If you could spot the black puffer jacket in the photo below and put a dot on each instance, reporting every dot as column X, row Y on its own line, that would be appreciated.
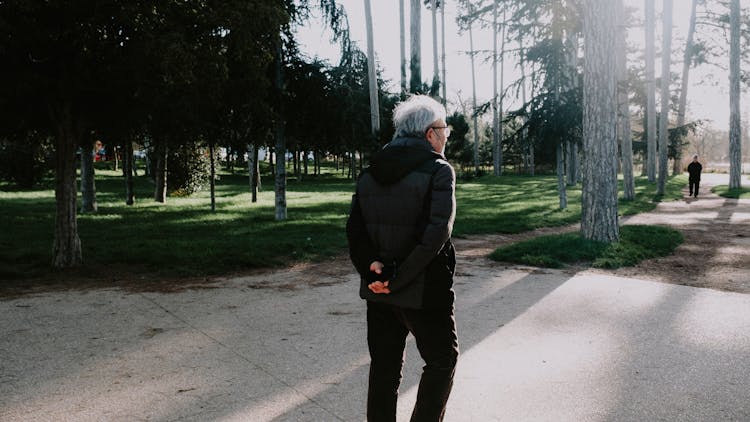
column 402, row 215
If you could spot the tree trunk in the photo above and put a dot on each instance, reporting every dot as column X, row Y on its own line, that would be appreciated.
column 212, row 177
column 624, row 132
column 255, row 175
column 528, row 144
column 572, row 164
column 442, row 32
column 435, row 89
column 557, row 84
column 230, row 159
column 160, row 190
column 66, row 247
column 88, row 184
column 280, row 147
column 256, row 171
column 474, row 101
column 271, row 163
column 251, row 165
column 280, row 176
column 147, row 170
column 129, row 167
column 124, row 166
column 501, row 95
column 371, row 73
column 560, row 166
column 532, row 162
column 415, row 84
column 665, row 77
column 599, row 195
column 650, row 27
column 402, row 45
column 295, row 163
column 496, row 148
column 298, row 159
column 683, row 91
column 571, row 46
column 735, row 129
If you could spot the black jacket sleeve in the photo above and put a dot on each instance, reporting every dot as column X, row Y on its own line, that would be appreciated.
column 361, row 250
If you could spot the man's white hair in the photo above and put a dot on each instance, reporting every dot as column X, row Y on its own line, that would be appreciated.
column 414, row 116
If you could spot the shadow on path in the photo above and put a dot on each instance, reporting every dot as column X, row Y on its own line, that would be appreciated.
column 230, row 353
column 716, row 250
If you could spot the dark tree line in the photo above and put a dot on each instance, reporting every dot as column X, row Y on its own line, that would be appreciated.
column 179, row 79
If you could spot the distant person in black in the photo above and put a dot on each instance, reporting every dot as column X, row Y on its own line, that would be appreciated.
column 694, row 169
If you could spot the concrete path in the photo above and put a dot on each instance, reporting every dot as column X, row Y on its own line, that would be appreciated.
column 537, row 345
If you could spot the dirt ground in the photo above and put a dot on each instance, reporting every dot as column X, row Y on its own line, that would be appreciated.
column 715, row 254
column 716, row 250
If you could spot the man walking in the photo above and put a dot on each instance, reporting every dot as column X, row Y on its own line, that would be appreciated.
column 399, row 234
column 694, row 181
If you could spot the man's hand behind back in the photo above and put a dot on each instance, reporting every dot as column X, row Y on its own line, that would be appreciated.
column 380, row 286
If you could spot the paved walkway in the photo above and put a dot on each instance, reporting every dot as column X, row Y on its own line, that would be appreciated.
column 537, row 345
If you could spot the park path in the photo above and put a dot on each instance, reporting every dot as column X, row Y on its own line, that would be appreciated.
column 715, row 253
column 716, row 250
column 537, row 344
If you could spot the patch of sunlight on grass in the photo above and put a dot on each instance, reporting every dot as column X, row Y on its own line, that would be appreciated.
column 636, row 243
column 724, row 191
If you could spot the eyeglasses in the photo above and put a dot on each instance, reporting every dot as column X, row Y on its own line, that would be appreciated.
column 446, row 128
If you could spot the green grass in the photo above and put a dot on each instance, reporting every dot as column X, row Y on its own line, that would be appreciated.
column 514, row 204
column 646, row 198
column 723, row 190
column 555, row 251
column 183, row 238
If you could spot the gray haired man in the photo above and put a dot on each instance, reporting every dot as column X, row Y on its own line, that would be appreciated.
column 399, row 234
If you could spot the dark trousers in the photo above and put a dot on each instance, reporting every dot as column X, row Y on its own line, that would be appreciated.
column 693, row 186
column 437, row 342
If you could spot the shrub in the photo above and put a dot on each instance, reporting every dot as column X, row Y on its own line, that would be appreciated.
column 25, row 162
column 189, row 170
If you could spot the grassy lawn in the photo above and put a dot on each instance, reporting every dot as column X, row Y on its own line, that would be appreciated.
column 183, row 238
column 554, row 251
column 723, row 190
column 513, row 204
